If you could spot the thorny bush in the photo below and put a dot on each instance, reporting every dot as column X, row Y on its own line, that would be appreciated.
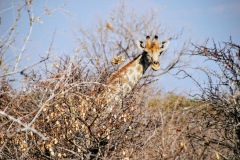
column 217, row 127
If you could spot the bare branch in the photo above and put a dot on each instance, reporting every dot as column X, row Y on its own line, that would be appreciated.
column 26, row 126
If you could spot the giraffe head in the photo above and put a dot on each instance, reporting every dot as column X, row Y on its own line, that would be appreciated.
column 152, row 50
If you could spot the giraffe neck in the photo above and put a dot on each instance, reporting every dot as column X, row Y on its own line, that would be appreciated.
column 122, row 81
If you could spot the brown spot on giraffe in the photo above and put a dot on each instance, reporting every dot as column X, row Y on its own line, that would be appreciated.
column 130, row 71
column 139, row 69
column 124, row 80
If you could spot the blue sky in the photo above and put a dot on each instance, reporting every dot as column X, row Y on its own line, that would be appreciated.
column 218, row 19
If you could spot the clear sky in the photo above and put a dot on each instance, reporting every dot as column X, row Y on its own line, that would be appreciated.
column 218, row 19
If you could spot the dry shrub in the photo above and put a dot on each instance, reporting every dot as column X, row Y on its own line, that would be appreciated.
column 64, row 117
column 59, row 113
column 177, row 130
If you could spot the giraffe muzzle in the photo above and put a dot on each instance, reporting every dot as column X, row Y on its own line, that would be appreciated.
column 155, row 65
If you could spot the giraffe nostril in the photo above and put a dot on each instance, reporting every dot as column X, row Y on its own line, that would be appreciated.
column 155, row 62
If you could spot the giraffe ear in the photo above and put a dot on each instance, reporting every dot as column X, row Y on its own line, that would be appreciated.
column 164, row 44
column 141, row 45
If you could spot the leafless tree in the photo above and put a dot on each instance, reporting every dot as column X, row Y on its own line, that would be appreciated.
column 117, row 36
column 219, row 120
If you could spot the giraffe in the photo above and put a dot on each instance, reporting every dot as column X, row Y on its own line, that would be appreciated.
column 122, row 81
